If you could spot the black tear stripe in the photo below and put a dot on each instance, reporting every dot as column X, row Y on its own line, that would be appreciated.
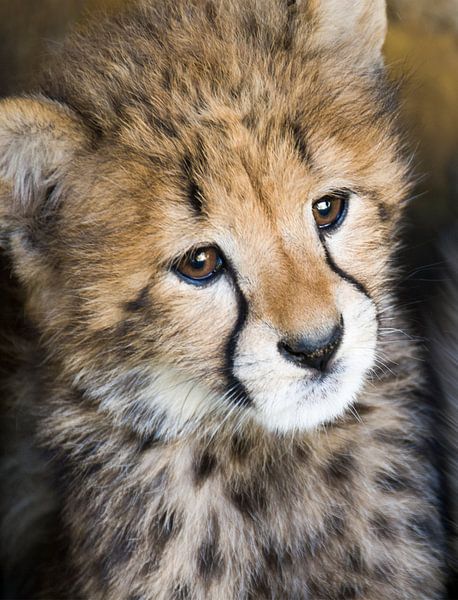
column 140, row 302
column 237, row 392
column 348, row 278
column 341, row 273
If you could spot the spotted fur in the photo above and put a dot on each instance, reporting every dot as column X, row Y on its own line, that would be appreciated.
column 191, row 460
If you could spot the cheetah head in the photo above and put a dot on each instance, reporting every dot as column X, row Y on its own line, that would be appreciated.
column 202, row 213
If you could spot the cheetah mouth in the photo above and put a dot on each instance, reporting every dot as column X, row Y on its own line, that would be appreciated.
column 305, row 402
column 336, row 369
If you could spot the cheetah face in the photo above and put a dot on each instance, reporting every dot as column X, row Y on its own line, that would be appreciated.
column 293, row 333
column 304, row 330
column 244, row 286
column 197, row 253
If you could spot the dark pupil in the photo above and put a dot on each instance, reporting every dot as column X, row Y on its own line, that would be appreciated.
column 198, row 261
column 324, row 207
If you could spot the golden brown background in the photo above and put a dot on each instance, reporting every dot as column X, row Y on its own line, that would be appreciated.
column 421, row 49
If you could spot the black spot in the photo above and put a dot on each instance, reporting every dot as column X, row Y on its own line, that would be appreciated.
column 209, row 559
column 340, row 467
column 355, row 562
column 384, row 212
column 158, row 162
column 383, row 527
column 195, row 197
column 384, row 572
column 210, row 12
column 324, row 589
column 49, row 193
column 164, row 525
column 315, row 589
column 252, row 26
column 181, row 591
column 348, row 591
column 423, row 528
column 249, row 498
column 335, row 525
column 259, row 586
column 299, row 142
column 194, row 193
column 363, row 410
column 164, row 126
column 236, row 91
column 277, row 558
column 302, row 452
column 159, row 479
column 240, row 447
column 291, row 22
column 250, row 120
column 314, row 543
column 148, row 442
column 117, row 553
column 398, row 439
column 140, row 302
column 392, row 482
column 167, row 78
column 92, row 468
column 204, row 465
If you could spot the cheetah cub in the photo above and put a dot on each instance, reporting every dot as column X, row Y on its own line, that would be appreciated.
column 201, row 205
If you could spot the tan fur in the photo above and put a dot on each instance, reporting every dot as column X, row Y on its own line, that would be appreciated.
column 169, row 486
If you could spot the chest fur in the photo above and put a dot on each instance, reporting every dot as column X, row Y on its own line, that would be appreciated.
column 344, row 516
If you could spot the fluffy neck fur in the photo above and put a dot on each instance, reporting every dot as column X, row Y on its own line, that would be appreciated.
column 249, row 514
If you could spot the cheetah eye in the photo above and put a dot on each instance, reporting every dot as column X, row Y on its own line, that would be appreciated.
column 330, row 210
column 200, row 266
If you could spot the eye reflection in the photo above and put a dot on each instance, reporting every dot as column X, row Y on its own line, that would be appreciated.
column 330, row 210
column 200, row 266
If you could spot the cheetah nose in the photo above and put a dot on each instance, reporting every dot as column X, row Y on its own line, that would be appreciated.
column 310, row 352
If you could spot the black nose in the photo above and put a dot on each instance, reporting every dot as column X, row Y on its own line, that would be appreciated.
column 312, row 353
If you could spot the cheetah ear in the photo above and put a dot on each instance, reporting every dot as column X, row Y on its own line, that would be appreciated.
column 353, row 29
column 38, row 139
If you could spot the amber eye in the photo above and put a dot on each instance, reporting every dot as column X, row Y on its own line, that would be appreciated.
column 200, row 266
column 330, row 210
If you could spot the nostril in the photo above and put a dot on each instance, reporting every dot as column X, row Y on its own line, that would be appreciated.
column 309, row 352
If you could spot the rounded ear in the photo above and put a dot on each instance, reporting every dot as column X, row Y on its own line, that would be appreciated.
column 38, row 138
column 354, row 30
